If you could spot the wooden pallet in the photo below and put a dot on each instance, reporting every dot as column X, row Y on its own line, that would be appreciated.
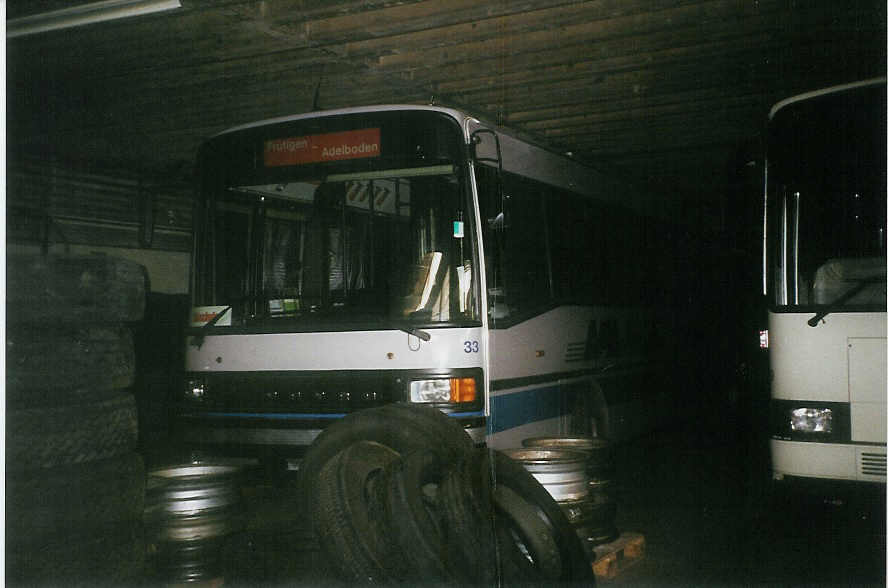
column 613, row 557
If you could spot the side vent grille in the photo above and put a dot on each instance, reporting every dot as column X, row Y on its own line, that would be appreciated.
column 575, row 351
column 872, row 464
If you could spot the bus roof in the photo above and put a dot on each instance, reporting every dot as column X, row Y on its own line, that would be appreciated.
column 525, row 156
column 460, row 116
column 823, row 92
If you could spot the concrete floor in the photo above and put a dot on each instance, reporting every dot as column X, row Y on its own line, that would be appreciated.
column 698, row 494
column 711, row 518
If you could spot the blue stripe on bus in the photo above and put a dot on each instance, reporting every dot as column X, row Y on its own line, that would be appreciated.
column 274, row 415
column 527, row 406
column 308, row 416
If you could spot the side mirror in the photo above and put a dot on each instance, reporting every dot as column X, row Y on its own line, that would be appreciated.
column 499, row 222
column 475, row 141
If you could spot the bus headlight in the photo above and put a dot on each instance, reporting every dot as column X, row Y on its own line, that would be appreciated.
column 443, row 390
column 811, row 420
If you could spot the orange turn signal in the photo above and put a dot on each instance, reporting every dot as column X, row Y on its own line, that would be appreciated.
column 462, row 389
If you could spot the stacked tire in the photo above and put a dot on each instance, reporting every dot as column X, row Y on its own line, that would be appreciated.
column 399, row 494
column 75, row 486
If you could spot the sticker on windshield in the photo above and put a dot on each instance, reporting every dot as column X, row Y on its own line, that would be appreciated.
column 319, row 148
column 458, row 229
column 201, row 315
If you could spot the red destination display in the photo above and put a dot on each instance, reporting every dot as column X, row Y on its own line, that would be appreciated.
column 320, row 148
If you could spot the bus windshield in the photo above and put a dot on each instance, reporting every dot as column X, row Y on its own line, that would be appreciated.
column 826, row 201
column 371, row 235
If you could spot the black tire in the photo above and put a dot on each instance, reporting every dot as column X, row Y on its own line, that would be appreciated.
column 402, row 427
column 588, row 417
column 52, row 501
column 438, row 424
column 522, row 505
column 113, row 555
column 466, row 502
column 55, row 436
column 593, row 518
column 528, row 548
column 602, row 463
column 591, row 536
column 52, row 366
column 348, row 513
column 66, row 289
column 415, row 518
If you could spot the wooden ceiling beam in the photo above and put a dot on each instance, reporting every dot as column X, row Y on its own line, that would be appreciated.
column 639, row 88
column 403, row 52
column 418, row 19
column 751, row 40
column 639, row 115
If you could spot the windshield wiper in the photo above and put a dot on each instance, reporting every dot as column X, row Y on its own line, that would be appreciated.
column 851, row 293
column 424, row 335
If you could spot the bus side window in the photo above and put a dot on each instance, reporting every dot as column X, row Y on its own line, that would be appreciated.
column 526, row 260
column 571, row 236
column 493, row 229
column 515, row 244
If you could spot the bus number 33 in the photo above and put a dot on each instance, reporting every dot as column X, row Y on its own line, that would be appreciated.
column 470, row 346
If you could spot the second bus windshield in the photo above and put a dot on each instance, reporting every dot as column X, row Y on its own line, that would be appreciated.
column 827, row 201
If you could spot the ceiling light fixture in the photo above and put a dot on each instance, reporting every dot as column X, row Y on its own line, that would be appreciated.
column 85, row 14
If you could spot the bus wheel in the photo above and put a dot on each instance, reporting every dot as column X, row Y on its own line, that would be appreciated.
column 347, row 512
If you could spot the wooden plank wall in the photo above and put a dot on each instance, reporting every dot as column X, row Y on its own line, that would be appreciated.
column 94, row 208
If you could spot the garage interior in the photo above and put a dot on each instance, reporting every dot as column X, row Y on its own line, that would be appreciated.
column 104, row 121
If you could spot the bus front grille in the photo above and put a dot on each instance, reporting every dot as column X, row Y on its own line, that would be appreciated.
column 296, row 392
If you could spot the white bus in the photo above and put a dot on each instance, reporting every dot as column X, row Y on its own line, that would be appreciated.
column 347, row 259
column 825, row 282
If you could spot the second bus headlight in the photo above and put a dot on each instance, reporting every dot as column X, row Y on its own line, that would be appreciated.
column 449, row 390
column 811, row 420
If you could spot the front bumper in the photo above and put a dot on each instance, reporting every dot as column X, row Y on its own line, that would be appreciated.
column 828, row 461
column 286, row 437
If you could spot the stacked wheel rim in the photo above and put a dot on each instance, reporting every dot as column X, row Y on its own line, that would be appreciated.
column 190, row 511
column 594, row 515
column 561, row 472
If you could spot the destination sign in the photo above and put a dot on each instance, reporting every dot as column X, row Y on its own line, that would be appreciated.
column 320, row 148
